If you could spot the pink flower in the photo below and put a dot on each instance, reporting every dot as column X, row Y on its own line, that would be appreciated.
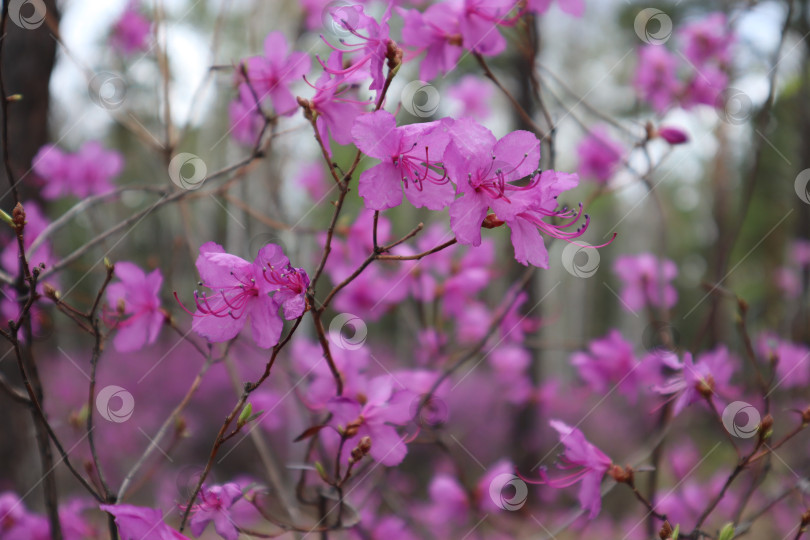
column 374, row 418
column 136, row 296
column 35, row 224
column 484, row 170
column 575, row 8
column 245, row 290
column 800, row 252
column 479, row 22
column 271, row 74
column 647, row 281
column 792, row 360
column 131, row 31
column 87, row 172
column 246, row 119
column 372, row 47
column 708, row 40
column 214, row 505
column 609, row 362
column 473, row 95
column 705, row 87
column 437, row 32
column 599, row 155
column 593, row 464
column 138, row 523
column 336, row 112
column 410, row 156
column 656, row 80
column 312, row 178
column 710, row 375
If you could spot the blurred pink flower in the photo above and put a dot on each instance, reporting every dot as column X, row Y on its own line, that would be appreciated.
column 473, row 95
column 599, row 155
column 137, row 297
column 375, row 417
column 246, row 119
column 82, row 174
column 800, row 252
column 271, row 75
column 312, row 177
column 792, row 360
column 131, row 31
column 437, row 32
column 138, row 523
column 575, row 8
column 647, row 281
column 709, row 376
column 656, row 78
column 707, row 40
column 593, row 464
column 610, row 362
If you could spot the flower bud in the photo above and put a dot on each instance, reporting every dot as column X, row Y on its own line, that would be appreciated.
column 492, row 222
column 18, row 216
column 666, row 531
column 673, row 135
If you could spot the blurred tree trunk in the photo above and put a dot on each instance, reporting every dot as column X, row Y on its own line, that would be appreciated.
column 801, row 325
column 28, row 59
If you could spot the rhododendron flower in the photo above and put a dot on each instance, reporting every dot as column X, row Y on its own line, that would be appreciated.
column 213, row 505
column 647, row 281
column 245, row 290
column 437, row 32
column 35, row 224
column 373, row 47
column 484, row 170
column 137, row 298
column 246, row 119
column 705, row 87
column 473, row 96
column 312, row 177
column 479, row 22
column 656, row 77
column 572, row 7
column 599, row 155
column 138, row 523
column 707, row 40
column 373, row 418
column 593, row 464
column 131, row 32
column 335, row 113
column 409, row 155
column 792, row 360
column 17, row 523
column 609, row 362
column 800, row 252
column 270, row 75
column 708, row 377
column 86, row 172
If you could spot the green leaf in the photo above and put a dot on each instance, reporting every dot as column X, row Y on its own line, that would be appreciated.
column 727, row 532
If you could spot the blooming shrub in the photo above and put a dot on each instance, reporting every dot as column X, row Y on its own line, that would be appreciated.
column 356, row 312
